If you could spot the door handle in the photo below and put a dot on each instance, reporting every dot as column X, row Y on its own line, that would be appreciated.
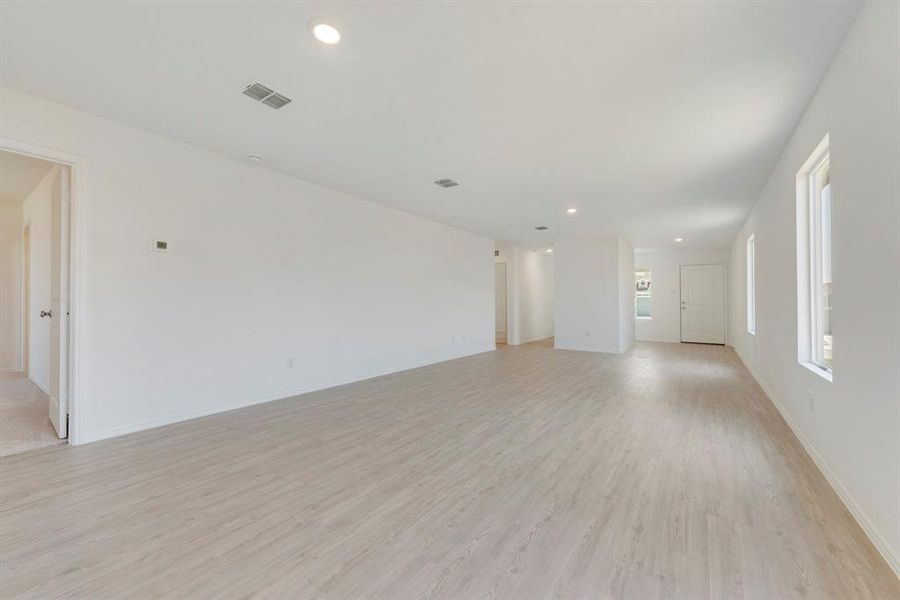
column 46, row 313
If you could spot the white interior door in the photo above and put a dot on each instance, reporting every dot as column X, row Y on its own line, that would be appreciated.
column 500, row 301
column 59, row 303
column 703, row 304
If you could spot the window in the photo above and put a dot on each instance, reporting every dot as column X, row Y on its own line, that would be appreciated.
column 814, row 281
column 642, row 293
column 751, row 285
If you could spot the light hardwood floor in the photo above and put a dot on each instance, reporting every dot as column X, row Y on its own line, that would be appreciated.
column 522, row 473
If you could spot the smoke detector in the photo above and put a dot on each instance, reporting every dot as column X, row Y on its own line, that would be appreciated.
column 266, row 95
column 254, row 159
column 445, row 183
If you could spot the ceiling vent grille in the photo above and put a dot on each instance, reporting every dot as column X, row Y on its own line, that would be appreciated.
column 266, row 95
column 445, row 183
column 276, row 100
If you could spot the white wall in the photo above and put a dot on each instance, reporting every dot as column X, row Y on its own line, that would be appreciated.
column 10, row 286
column 36, row 213
column 529, row 293
column 587, row 300
column 626, row 294
column 262, row 268
column 851, row 426
column 664, row 324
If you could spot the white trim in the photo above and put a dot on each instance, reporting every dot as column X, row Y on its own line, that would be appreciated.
column 39, row 386
column 78, row 166
column 871, row 532
column 809, row 287
column 819, row 370
column 750, row 251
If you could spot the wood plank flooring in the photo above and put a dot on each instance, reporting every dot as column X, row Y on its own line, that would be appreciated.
column 522, row 473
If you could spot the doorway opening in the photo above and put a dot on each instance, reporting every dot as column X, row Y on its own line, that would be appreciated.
column 500, row 312
column 35, row 202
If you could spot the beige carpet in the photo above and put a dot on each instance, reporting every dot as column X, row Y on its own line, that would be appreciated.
column 24, row 421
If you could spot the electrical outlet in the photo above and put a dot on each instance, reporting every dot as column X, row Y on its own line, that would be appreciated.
column 811, row 400
column 290, row 362
column 587, row 333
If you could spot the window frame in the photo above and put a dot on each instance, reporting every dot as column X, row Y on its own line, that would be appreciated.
column 751, row 284
column 811, row 181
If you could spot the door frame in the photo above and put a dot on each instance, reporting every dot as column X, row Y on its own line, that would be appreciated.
column 26, row 296
column 724, row 292
column 78, row 167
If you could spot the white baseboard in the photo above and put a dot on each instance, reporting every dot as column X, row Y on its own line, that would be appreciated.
column 576, row 348
column 281, row 395
column 536, row 338
column 37, row 383
column 871, row 532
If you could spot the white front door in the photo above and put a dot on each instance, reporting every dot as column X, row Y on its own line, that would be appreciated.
column 59, row 303
column 500, row 301
column 703, row 303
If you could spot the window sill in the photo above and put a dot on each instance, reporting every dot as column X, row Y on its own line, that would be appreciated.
column 823, row 373
column 644, row 318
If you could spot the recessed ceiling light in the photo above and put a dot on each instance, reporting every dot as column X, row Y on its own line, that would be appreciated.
column 679, row 239
column 325, row 33
column 571, row 211
column 549, row 250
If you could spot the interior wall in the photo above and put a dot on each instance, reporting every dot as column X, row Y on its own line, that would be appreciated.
column 271, row 287
column 36, row 213
column 587, row 301
column 664, row 324
column 10, row 286
column 851, row 426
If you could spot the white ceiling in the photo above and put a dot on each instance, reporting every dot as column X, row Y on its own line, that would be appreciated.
column 19, row 175
column 654, row 119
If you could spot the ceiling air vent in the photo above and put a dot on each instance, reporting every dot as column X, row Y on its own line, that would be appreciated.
column 542, row 228
column 445, row 183
column 276, row 100
column 266, row 95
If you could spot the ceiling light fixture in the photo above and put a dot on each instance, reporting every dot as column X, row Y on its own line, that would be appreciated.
column 325, row 33
column 679, row 239
column 571, row 211
column 549, row 250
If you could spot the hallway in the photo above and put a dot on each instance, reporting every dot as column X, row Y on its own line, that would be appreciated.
column 24, row 422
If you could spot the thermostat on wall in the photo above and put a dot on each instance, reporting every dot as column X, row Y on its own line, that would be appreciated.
column 162, row 246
